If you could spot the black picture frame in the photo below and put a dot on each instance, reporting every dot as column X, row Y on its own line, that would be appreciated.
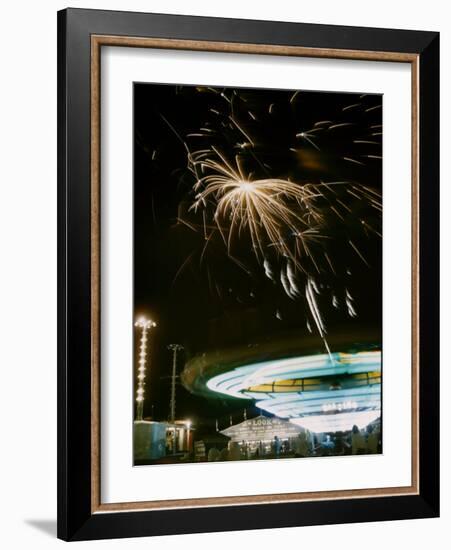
column 76, row 518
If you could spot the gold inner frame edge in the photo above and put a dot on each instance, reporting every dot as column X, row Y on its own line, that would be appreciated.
column 97, row 41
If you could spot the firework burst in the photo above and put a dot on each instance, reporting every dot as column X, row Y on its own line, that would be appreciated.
column 268, row 209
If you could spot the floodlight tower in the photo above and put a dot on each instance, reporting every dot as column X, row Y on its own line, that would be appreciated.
column 145, row 325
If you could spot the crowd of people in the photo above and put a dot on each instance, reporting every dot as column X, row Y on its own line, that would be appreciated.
column 355, row 442
column 306, row 444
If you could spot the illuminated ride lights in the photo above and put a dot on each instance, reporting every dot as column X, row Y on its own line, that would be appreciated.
column 337, row 423
column 322, row 393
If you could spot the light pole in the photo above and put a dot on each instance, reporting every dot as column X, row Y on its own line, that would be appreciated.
column 174, row 348
column 145, row 325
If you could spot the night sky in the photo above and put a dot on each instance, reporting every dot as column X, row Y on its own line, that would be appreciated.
column 197, row 294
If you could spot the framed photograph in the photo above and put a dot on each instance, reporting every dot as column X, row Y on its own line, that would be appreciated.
column 248, row 274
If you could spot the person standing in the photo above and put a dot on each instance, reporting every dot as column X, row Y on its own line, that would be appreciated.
column 358, row 443
column 373, row 439
column 276, row 446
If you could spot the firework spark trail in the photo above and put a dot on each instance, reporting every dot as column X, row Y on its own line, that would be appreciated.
column 349, row 299
column 330, row 263
column 353, row 106
column 268, row 271
column 310, row 290
column 359, row 253
column 307, row 137
column 286, row 284
column 349, row 159
column 292, row 279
